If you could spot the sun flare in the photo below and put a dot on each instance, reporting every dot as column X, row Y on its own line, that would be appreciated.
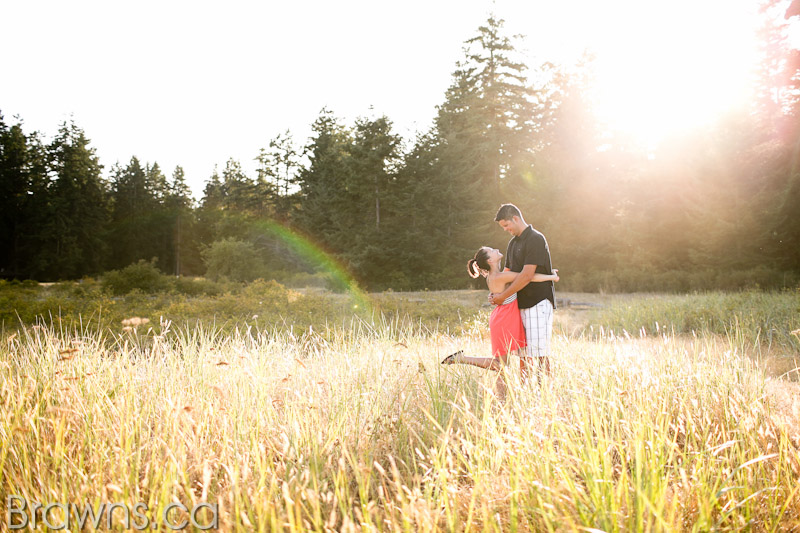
column 663, row 68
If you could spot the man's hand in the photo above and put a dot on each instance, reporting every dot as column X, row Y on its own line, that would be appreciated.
column 495, row 299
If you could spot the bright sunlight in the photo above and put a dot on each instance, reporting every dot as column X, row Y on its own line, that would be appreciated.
column 664, row 67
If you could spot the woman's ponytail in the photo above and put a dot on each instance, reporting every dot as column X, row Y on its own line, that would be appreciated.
column 472, row 268
column 479, row 265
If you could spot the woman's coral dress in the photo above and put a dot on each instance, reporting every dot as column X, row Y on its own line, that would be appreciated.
column 505, row 327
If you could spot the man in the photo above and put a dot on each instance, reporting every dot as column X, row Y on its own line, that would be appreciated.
column 528, row 254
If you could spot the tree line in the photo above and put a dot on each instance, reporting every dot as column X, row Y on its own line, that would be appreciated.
column 407, row 214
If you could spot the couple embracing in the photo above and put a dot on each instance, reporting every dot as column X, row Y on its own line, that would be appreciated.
column 523, row 291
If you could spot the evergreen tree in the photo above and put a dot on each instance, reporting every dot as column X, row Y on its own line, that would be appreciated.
column 212, row 193
column 349, row 194
column 783, row 237
column 74, row 236
column 569, row 183
column 777, row 87
column 23, row 200
column 238, row 190
column 326, row 206
column 243, row 201
column 233, row 207
column 14, row 188
column 783, row 227
column 157, row 220
column 209, row 212
column 133, row 209
column 371, row 244
column 185, row 257
column 489, row 115
column 484, row 138
column 156, row 183
column 279, row 165
column 422, row 193
column 36, row 210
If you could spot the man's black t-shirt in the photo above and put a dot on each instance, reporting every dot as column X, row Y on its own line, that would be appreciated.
column 530, row 248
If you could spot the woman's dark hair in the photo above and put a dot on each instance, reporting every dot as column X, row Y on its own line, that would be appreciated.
column 479, row 263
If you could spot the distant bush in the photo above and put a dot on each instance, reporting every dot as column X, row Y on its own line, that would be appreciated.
column 676, row 281
column 747, row 317
column 83, row 288
column 199, row 286
column 320, row 280
column 268, row 294
column 234, row 260
column 143, row 276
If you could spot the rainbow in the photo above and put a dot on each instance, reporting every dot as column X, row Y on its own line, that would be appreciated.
column 316, row 256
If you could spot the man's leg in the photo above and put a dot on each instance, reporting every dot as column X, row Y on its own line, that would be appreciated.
column 546, row 318
column 538, row 322
column 544, row 365
column 531, row 337
column 524, row 366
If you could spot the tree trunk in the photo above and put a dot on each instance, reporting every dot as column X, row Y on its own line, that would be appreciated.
column 377, row 207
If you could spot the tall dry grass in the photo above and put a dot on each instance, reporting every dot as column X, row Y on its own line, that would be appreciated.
column 360, row 428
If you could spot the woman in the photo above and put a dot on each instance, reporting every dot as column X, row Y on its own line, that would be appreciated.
column 505, row 325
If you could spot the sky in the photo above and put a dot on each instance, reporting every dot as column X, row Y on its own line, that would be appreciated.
column 197, row 83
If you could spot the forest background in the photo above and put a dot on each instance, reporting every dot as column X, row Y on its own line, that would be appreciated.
column 712, row 208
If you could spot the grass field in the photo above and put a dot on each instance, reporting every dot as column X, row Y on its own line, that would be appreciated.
column 306, row 412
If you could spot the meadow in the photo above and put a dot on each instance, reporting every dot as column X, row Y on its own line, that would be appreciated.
column 307, row 410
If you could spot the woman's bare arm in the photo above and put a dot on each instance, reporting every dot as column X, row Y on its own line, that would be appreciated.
column 501, row 280
column 508, row 276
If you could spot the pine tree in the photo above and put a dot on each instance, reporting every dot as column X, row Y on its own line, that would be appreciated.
column 780, row 80
column 568, row 179
column 23, row 200
column 374, row 156
column 36, row 210
column 14, row 187
column 209, row 212
column 373, row 163
column 489, row 115
column 133, row 206
column 348, row 194
column 233, row 207
column 157, row 220
column 185, row 255
column 479, row 152
column 278, row 169
column 238, row 190
column 243, row 201
column 75, row 233
column 421, row 191
column 326, row 206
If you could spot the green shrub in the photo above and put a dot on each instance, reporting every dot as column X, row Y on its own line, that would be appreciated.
column 269, row 294
column 234, row 260
column 198, row 286
column 630, row 280
column 143, row 276
column 749, row 317
column 319, row 280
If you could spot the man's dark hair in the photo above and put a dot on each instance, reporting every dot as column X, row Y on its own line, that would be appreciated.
column 507, row 212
